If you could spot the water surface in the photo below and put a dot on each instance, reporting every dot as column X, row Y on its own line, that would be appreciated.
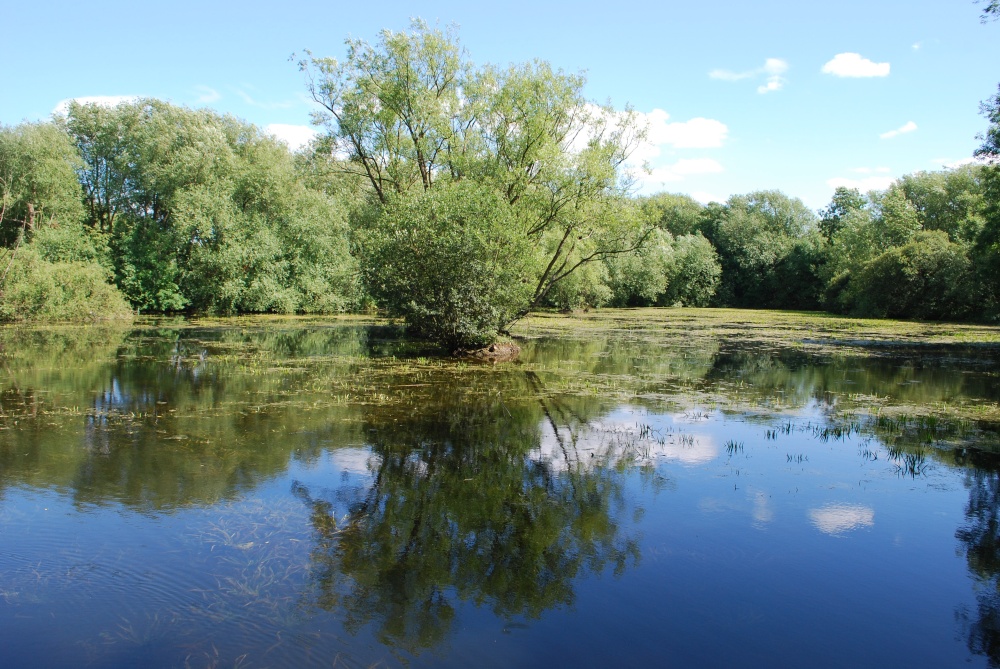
column 279, row 493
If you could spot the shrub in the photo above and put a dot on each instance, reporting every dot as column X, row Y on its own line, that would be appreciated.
column 928, row 278
column 36, row 289
column 452, row 261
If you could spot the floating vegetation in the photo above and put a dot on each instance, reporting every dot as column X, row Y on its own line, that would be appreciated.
column 415, row 473
column 733, row 447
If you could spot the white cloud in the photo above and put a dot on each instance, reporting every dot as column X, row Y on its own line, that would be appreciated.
column 853, row 65
column 772, row 69
column 295, row 136
column 763, row 512
column 661, row 134
column 917, row 46
column 864, row 185
column 697, row 133
column 951, row 164
column 835, row 519
column 354, row 460
column 909, row 126
column 674, row 172
column 103, row 100
column 705, row 197
column 773, row 84
column 207, row 95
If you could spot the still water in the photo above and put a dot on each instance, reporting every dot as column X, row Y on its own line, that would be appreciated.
column 291, row 494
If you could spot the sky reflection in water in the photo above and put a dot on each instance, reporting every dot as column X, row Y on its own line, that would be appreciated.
column 295, row 496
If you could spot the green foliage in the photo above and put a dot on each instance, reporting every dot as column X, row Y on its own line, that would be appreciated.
column 36, row 289
column 753, row 235
column 640, row 278
column 72, row 243
column 991, row 10
column 38, row 185
column 887, row 220
column 987, row 243
column 676, row 213
column 950, row 200
column 695, row 274
column 585, row 288
column 206, row 213
column 452, row 261
column 413, row 116
column 929, row 278
column 797, row 279
column 846, row 203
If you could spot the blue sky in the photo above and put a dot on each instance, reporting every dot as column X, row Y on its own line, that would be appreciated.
column 798, row 96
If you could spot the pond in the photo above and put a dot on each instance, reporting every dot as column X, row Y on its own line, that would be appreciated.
column 306, row 492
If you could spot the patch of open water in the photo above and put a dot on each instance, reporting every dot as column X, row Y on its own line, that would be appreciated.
column 322, row 497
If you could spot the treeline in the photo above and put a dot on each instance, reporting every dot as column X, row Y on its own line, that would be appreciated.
column 921, row 249
column 150, row 207
column 457, row 198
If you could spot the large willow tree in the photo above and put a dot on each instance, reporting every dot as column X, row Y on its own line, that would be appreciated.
column 489, row 185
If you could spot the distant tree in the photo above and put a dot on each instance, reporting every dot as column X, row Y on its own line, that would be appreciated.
column 949, row 200
column 929, row 277
column 453, row 261
column 888, row 220
column 987, row 244
column 640, row 278
column 676, row 213
column 49, row 267
column 695, row 273
column 38, row 184
column 206, row 212
column 846, row 202
column 753, row 233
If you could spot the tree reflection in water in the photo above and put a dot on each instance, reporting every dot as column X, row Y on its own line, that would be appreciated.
column 460, row 511
column 980, row 538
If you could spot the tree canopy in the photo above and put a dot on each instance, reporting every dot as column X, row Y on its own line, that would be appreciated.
column 412, row 116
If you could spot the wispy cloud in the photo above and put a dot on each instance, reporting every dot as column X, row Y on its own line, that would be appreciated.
column 864, row 185
column 855, row 66
column 207, row 95
column 907, row 127
column 772, row 70
column 251, row 101
column 676, row 171
column 951, row 163
column 62, row 107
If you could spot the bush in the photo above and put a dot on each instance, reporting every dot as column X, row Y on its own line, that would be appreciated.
column 36, row 289
column 584, row 288
column 694, row 275
column 927, row 278
column 452, row 261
